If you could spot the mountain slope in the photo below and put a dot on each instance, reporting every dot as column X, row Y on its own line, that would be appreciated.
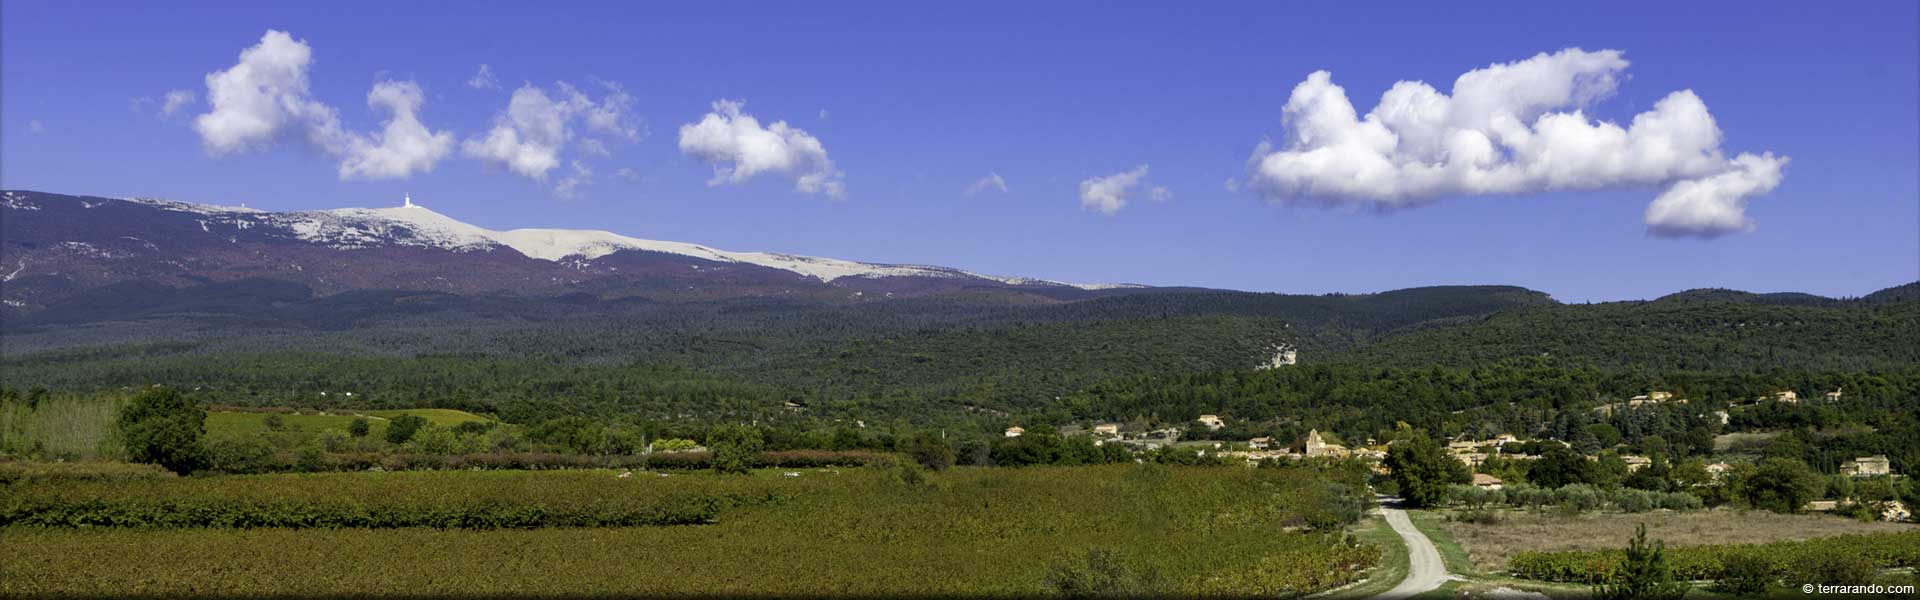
column 57, row 246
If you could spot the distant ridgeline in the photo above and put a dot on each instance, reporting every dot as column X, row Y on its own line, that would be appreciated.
column 925, row 344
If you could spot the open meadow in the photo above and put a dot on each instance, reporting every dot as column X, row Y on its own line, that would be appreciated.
column 854, row 531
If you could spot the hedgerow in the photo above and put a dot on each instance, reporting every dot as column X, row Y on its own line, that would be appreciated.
column 1887, row 550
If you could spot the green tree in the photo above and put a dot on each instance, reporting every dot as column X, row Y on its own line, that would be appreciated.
column 402, row 428
column 931, row 451
column 734, row 448
column 1781, row 485
column 1560, row 466
column 1644, row 573
column 358, row 427
column 1423, row 470
column 162, row 427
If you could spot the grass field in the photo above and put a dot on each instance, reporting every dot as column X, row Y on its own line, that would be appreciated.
column 859, row 531
column 221, row 422
column 1489, row 546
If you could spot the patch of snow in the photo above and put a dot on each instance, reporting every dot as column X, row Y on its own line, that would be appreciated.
column 416, row 225
column 92, row 251
column 16, row 201
column 189, row 207
column 16, row 271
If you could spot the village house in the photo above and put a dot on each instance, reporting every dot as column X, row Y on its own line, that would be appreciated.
column 1260, row 443
column 1868, row 466
column 1486, row 482
column 1834, row 396
column 1107, row 429
column 1786, row 397
column 1212, row 422
column 1722, row 416
column 1015, row 431
column 1823, row 505
column 1315, row 447
column 1635, row 463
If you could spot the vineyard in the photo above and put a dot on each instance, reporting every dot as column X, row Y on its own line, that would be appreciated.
column 843, row 531
column 1890, row 550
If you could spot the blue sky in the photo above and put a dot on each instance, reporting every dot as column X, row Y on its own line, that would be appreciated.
column 912, row 104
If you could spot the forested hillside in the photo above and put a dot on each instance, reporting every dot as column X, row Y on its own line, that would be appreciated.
column 1156, row 354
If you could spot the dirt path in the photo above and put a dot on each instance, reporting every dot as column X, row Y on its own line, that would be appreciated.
column 1425, row 571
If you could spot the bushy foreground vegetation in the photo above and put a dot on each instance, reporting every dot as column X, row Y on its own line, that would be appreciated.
column 1805, row 561
column 864, row 531
column 466, row 500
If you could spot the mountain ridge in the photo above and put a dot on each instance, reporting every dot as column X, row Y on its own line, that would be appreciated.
column 58, row 245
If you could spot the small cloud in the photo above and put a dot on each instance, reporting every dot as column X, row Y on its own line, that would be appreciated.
column 528, row 137
column 739, row 148
column 35, row 126
column 484, row 79
column 568, row 186
column 992, row 181
column 627, row 173
column 176, row 100
column 1160, row 193
column 594, row 147
column 140, row 104
column 613, row 115
column 1108, row 194
column 823, row 114
column 1233, row 185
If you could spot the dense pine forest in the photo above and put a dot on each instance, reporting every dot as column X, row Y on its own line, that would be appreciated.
column 1459, row 360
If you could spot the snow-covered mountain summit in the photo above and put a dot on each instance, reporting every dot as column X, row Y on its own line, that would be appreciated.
column 67, row 243
column 415, row 224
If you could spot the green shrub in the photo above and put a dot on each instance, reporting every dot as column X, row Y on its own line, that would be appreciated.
column 1579, row 497
column 1644, row 573
column 1632, row 500
column 400, row 429
column 162, row 427
column 241, row 455
column 1100, row 573
column 358, row 427
column 733, row 448
column 1835, row 569
column 1745, row 575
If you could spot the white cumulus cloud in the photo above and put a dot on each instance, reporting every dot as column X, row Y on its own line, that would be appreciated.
column 992, row 181
column 739, row 148
column 403, row 145
column 1508, row 129
column 530, row 135
column 265, row 96
column 262, row 95
column 1108, row 194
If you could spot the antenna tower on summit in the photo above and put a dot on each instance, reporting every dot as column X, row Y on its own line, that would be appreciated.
column 409, row 200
